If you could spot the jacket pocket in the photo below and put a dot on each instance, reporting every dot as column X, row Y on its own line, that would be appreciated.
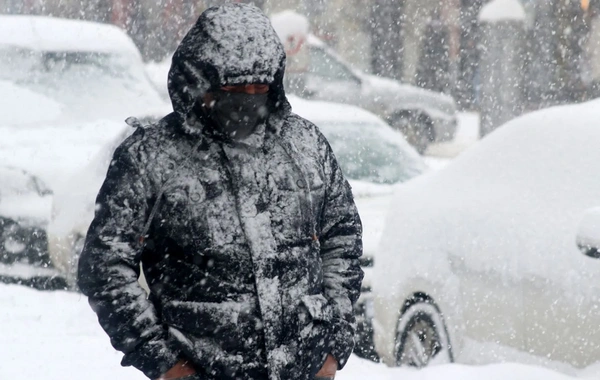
column 318, row 307
column 210, row 318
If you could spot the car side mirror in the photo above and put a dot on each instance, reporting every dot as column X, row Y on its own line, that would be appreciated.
column 588, row 233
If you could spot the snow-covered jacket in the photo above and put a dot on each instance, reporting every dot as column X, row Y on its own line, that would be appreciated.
column 250, row 248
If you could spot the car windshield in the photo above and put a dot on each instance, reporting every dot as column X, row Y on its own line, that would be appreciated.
column 327, row 67
column 90, row 85
column 368, row 152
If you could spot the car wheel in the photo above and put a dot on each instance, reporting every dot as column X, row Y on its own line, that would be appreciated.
column 417, row 130
column 422, row 338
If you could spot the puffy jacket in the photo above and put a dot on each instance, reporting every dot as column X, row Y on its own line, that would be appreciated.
column 250, row 249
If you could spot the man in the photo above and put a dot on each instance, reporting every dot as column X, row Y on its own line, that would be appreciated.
column 240, row 217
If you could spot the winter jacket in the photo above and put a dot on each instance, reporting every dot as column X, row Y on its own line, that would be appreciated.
column 250, row 249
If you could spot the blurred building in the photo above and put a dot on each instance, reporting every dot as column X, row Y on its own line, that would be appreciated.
column 559, row 66
column 431, row 43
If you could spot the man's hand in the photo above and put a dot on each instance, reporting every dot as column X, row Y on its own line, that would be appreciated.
column 182, row 369
column 329, row 368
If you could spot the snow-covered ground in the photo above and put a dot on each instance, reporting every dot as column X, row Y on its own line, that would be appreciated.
column 55, row 336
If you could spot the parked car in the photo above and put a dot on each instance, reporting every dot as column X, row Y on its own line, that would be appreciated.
column 90, row 71
column 423, row 116
column 25, row 202
column 486, row 249
column 64, row 84
column 372, row 155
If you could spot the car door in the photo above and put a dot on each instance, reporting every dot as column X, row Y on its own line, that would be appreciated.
column 492, row 301
column 563, row 304
column 329, row 79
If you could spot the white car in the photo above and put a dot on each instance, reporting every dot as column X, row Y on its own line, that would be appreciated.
column 66, row 87
column 372, row 155
column 486, row 249
column 316, row 72
column 81, row 71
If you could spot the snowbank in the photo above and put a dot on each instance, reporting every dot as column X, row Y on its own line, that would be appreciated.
column 56, row 336
column 502, row 10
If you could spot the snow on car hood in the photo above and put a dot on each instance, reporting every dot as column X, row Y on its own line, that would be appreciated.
column 22, row 101
column 509, row 206
column 393, row 92
column 73, row 208
column 373, row 202
column 31, row 210
column 54, row 153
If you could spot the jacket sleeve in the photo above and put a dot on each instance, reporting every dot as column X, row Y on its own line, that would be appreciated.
column 341, row 248
column 109, row 269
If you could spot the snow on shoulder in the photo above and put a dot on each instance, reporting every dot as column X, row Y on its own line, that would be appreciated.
column 502, row 10
column 42, row 33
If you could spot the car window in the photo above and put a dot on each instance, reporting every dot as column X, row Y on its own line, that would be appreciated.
column 327, row 66
column 366, row 152
column 90, row 85
column 40, row 68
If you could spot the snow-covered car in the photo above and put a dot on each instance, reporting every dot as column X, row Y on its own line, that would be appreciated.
column 372, row 155
column 486, row 249
column 25, row 202
column 423, row 116
column 84, row 71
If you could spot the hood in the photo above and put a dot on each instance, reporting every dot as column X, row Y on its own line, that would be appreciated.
column 229, row 44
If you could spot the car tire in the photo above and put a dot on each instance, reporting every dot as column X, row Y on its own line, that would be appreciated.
column 421, row 336
column 417, row 130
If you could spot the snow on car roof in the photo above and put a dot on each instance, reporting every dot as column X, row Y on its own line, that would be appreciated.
column 331, row 112
column 43, row 33
column 524, row 188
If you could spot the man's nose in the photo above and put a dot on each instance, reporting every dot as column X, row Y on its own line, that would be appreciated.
column 250, row 89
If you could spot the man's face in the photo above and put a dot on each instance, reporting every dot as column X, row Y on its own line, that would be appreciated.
column 247, row 88
column 240, row 88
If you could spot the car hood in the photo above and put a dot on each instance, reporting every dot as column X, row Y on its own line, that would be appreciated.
column 29, row 210
column 393, row 93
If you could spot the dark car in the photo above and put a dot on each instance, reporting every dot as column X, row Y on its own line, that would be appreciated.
column 25, row 203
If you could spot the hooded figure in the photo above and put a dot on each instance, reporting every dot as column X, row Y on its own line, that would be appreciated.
column 239, row 216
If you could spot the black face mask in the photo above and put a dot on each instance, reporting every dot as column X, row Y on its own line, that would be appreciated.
column 238, row 114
